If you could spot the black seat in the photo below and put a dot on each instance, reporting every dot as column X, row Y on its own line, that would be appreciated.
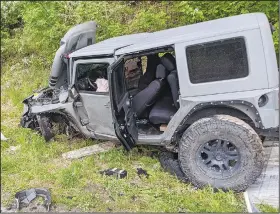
column 170, row 64
column 173, row 82
column 162, row 111
column 153, row 61
column 165, row 107
column 168, row 61
column 147, row 97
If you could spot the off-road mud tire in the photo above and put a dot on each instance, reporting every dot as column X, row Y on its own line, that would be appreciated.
column 170, row 163
column 228, row 128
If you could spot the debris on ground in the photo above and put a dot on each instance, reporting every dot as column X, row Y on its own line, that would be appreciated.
column 36, row 206
column 170, row 163
column 3, row 137
column 13, row 149
column 141, row 172
column 120, row 194
column 26, row 196
column 90, row 150
column 118, row 173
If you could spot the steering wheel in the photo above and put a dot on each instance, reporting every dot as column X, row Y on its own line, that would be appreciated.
column 92, row 84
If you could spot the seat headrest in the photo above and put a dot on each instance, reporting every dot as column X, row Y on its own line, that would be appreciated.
column 168, row 61
column 161, row 72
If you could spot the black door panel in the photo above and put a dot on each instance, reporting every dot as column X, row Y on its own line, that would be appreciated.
column 122, row 113
column 131, row 124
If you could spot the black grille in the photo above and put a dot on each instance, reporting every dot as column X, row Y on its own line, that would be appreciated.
column 216, row 61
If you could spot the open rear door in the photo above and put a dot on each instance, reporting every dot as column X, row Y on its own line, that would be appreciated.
column 122, row 112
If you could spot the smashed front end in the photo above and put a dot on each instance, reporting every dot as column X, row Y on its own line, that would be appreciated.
column 44, row 112
column 50, row 105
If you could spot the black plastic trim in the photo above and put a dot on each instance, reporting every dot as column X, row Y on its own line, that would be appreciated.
column 202, row 105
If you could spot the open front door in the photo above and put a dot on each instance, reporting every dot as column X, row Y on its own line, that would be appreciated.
column 122, row 112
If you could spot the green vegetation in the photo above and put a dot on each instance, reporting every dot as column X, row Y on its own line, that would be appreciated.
column 267, row 208
column 30, row 35
column 78, row 184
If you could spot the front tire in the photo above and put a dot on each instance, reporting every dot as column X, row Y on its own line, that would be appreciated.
column 45, row 127
column 222, row 151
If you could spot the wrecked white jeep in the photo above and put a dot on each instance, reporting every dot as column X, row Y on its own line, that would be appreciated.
column 207, row 91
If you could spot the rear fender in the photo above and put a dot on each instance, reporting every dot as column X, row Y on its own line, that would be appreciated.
column 238, row 108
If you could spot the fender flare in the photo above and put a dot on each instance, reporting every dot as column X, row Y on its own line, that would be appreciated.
column 225, row 104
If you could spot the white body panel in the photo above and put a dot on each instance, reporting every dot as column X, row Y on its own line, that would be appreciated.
column 257, row 78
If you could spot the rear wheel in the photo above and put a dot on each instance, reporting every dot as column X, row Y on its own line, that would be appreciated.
column 222, row 151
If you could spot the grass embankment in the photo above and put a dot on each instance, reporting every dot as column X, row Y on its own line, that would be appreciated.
column 78, row 184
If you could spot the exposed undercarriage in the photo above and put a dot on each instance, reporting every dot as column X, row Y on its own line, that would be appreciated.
column 47, row 123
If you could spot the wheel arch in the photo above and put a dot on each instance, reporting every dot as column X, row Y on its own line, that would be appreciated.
column 62, row 116
column 222, row 109
column 242, row 110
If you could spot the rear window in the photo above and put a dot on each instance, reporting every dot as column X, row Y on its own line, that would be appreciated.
column 216, row 61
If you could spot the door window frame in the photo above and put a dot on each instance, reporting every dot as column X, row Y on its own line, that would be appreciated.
column 108, row 61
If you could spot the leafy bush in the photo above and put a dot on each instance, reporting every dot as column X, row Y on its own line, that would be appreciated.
column 37, row 27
